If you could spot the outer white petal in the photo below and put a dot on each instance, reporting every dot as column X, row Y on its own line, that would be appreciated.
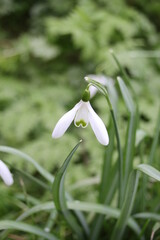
column 65, row 121
column 98, row 126
column 5, row 174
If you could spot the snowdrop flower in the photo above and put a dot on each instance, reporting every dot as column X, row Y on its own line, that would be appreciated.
column 82, row 114
column 5, row 174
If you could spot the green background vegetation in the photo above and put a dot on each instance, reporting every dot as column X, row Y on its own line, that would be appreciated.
column 46, row 50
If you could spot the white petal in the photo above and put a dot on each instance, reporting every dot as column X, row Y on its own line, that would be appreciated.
column 98, row 126
column 65, row 121
column 81, row 118
column 5, row 174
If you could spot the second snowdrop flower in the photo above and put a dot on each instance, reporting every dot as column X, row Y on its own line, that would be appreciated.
column 82, row 114
column 5, row 174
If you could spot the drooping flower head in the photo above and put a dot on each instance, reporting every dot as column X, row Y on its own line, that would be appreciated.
column 82, row 114
column 5, row 174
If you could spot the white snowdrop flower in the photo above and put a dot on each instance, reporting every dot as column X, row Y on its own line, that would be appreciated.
column 5, row 174
column 82, row 114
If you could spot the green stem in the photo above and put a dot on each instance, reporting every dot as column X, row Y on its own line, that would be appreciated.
column 103, row 90
column 120, row 162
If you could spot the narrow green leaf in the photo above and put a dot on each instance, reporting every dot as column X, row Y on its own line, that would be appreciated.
column 127, row 206
column 59, row 196
column 12, row 225
column 120, row 159
column 39, row 207
column 100, row 218
column 152, row 154
column 106, row 183
column 131, row 131
column 82, row 206
column 144, row 227
column 27, row 158
column 106, row 167
column 126, row 95
column 149, row 170
column 130, row 147
column 155, row 140
column 147, row 215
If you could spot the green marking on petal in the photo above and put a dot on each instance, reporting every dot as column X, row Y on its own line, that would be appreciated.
column 81, row 123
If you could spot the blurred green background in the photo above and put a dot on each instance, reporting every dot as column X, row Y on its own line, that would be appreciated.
column 46, row 49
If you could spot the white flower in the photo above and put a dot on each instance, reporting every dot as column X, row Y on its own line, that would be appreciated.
column 82, row 114
column 5, row 174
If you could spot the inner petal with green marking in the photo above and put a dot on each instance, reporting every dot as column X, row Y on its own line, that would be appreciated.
column 81, row 118
column 81, row 123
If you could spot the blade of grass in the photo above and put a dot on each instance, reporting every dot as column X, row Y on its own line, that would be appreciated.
column 149, row 170
column 129, row 148
column 82, row 206
column 126, row 95
column 97, row 224
column 147, row 215
column 41, row 170
column 105, row 184
column 106, row 167
column 155, row 140
column 27, row 158
column 152, row 153
column 120, row 160
column 127, row 206
column 12, row 225
column 131, row 131
column 106, row 210
column 60, row 200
